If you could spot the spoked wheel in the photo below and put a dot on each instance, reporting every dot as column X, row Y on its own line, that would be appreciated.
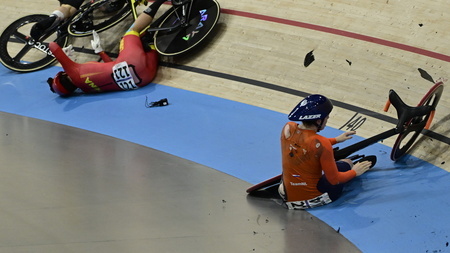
column 204, row 17
column 96, row 16
column 414, row 127
column 20, row 53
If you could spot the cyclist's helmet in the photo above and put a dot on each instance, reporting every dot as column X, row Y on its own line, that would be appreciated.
column 61, row 84
column 311, row 108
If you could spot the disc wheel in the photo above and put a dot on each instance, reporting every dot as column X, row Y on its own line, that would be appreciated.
column 203, row 18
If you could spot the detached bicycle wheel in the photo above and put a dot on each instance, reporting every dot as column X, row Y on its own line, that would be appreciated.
column 96, row 16
column 20, row 53
column 415, row 126
column 203, row 18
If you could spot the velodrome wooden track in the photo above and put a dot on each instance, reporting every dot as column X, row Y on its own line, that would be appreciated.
column 362, row 50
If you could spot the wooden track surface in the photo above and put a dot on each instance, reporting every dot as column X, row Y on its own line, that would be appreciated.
column 361, row 49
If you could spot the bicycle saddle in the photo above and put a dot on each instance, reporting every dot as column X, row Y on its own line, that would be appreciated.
column 405, row 112
column 180, row 2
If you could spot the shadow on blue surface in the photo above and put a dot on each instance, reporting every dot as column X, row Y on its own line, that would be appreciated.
column 396, row 207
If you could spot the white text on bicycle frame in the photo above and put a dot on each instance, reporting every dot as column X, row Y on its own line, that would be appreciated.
column 122, row 76
column 40, row 46
column 200, row 25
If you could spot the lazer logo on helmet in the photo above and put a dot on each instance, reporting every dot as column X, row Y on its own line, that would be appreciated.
column 307, row 117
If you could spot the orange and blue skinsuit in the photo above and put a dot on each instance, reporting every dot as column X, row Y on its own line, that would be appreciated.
column 309, row 164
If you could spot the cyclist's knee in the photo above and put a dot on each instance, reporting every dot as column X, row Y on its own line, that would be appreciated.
column 350, row 162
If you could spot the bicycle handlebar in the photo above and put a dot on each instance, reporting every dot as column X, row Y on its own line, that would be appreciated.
column 405, row 113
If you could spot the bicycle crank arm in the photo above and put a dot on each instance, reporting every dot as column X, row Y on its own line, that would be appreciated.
column 169, row 29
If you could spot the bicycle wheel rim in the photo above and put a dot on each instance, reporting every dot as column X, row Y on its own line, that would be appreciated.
column 400, row 150
column 204, row 17
column 431, row 98
column 18, row 53
column 101, row 22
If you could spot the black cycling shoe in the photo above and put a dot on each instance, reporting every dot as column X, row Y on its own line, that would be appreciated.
column 113, row 6
column 42, row 26
column 370, row 158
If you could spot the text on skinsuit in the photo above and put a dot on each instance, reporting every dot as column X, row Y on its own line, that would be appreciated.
column 91, row 84
column 122, row 76
column 296, row 184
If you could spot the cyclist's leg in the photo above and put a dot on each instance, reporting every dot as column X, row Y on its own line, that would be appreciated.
column 147, row 16
column 66, row 9
column 334, row 191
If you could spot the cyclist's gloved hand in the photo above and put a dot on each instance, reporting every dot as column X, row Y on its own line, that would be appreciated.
column 69, row 51
column 96, row 43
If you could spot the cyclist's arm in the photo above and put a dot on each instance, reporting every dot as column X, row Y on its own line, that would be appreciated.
column 329, row 165
column 333, row 141
column 105, row 57
column 60, row 55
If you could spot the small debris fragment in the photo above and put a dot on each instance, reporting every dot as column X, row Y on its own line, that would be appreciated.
column 224, row 201
column 349, row 62
column 162, row 102
column 309, row 58
column 425, row 75
column 443, row 162
column 420, row 24
column 338, row 230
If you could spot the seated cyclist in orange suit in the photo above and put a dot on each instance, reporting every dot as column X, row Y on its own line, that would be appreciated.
column 311, row 176
column 133, row 68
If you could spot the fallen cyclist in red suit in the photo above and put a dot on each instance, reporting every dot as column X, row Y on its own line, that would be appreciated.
column 133, row 68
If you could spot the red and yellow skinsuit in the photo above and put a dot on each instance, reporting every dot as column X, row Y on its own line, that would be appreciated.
column 132, row 69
